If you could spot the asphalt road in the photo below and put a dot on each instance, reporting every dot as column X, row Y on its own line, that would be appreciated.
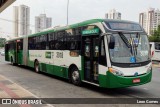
column 47, row 86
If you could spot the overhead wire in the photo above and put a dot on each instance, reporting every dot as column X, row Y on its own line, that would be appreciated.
column 12, row 21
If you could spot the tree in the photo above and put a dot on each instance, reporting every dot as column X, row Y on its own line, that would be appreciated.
column 151, row 39
column 2, row 42
column 156, row 35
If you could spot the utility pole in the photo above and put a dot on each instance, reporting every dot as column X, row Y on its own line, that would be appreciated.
column 0, row 33
column 67, row 10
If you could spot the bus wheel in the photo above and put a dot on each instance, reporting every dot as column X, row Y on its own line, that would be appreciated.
column 75, row 77
column 36, row 66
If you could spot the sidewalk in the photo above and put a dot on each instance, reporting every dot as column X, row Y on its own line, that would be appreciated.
column 156, row 64
column 9, row 89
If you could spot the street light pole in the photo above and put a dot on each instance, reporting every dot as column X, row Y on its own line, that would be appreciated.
column 0, row 33
column 67, row 10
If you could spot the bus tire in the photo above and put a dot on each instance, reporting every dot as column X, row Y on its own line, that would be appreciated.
column 36, row 66
column 75, row 76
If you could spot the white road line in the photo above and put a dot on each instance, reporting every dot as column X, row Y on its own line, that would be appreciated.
column 146, row 89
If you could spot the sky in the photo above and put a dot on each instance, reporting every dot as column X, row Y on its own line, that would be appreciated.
column 79, row 10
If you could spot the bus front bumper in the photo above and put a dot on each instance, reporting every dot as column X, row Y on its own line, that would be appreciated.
column 113, row 81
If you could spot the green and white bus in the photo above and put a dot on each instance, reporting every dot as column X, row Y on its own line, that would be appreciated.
column 105, row 53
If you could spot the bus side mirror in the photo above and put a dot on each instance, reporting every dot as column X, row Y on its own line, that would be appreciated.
column 111, row 42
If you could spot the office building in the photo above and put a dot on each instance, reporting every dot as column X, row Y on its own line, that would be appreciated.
column 113, row 14
column 150, row 20
column 42, row 22
column 22, row 20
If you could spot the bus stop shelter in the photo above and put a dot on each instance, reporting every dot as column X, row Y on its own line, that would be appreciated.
column 5, row 3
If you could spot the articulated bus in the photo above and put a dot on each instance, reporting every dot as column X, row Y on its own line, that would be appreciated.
column 105, row 53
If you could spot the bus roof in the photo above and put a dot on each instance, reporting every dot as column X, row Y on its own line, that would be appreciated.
column 73, row 26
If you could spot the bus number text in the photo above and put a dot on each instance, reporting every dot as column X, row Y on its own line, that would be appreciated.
column 59, row 55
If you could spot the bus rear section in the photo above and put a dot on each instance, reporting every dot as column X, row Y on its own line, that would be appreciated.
column 14, row 51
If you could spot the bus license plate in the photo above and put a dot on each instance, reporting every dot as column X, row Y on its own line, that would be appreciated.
column 137, row 80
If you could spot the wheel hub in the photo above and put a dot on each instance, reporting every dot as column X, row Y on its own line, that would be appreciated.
column 75, row 75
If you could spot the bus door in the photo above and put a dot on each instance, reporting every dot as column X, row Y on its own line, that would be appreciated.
column 6, row 52
column 91, row 54
column 19, row 51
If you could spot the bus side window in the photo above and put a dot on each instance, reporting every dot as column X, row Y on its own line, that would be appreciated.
column 20, row 45
column 51, row 41
column 37, row 43
column 29, row 44
column 150, row 46
column 43, row 40
column 157, row 46
column 102, row 57
column 57, row 41
column 61, row 40
column 73, row 39
column 47, row 41
column 6, row 47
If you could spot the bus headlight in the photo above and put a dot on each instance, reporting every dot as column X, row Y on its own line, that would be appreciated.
column 149, row 69
column 116, row 72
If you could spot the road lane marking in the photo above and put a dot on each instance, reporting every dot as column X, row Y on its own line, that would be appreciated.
column 146, row 89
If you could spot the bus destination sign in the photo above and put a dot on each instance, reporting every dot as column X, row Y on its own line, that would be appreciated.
column 91, row 32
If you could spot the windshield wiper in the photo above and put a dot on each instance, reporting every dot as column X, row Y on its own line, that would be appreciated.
column 129, row 45
column 125, row 40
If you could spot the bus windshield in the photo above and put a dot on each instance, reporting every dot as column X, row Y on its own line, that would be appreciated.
column 130, row 48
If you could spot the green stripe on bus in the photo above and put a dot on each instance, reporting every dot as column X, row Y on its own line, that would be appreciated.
column 112, row 81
